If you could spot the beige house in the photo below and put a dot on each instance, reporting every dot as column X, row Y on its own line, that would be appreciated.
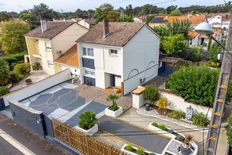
column 50, row 41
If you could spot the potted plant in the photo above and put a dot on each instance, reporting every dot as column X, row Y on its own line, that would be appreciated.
column 151, row 94
column 88, row 123
column 162, row 104
column 113, row 110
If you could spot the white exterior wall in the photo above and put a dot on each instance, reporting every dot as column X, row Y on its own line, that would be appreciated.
column 140, row 53
column 67, row 38
column 215, row 21
column 104, row 63
column 38, row 87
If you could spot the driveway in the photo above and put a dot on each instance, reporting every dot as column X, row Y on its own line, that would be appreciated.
column 7, row 148
column 134, row 135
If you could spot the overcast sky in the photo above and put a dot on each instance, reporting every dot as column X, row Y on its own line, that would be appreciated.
column 72, row 5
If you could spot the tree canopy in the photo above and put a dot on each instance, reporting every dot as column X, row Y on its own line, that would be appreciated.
column 176, row 12
column 103, row 11
column 4, row 72
column 12, row 36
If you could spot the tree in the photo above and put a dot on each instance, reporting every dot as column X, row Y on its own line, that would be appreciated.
column 171, row 8
column 12, row 36
column 214, row 50
column 196, row 84
column 195, row 54
column 173, row 44
column 102, row 11
column 126, row 18
column 179, row 27
column 4, row 16
column 161, row 30
column 149, row 18
column 87, row 120
column 4, row 72
column 113, row 16
column 229, row 131
column 176, row 12
column 113, row 98
column 151, row 94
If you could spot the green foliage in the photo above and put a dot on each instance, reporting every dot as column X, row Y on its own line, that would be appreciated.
column 13, row 59
column 195, row 84
column 179, row 27
column 176, row 12
column 87, row 120
column 12, row 36
column 151, row 93
column 180, row 138
column 113, row 107
column 214, row 50
column 126, row 18
column 200, row 119
column 177, row 114
column 160, row 126
column 229, row 93
column 229, row 131
column 36, row 66
column 113, row 16
column 129, row 147
column 14, row 78
column 173, row 44
column 22, row 70
column 161, row 30
column 4, row 72
column 213, row 64
column 4, row 91
column 140, row 151
column 195, row 54
column 113, row 98
column 103, row 11
column 162, row 103
column 4, row 16
column 149, row 18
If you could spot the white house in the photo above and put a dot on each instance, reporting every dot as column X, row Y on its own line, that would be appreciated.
column 118, row 54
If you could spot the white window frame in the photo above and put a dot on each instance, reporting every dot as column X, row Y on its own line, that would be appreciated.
column 113, row 52
column 88, row 52
column 48, row 48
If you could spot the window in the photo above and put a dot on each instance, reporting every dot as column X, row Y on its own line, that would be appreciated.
column 50, row 63
column 48, row 46
column 113, row 52
column 89, row 72
column 88, row 52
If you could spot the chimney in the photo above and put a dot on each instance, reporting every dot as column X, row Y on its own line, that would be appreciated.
column 106, row 30
column 44, row 25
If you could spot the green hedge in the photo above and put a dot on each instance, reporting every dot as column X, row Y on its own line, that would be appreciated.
column 3, row 91
column 229, row 131
column 195, row 84
column 22, row 70
column 13, row 59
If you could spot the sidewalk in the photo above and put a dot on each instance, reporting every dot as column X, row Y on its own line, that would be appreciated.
column 33, row 142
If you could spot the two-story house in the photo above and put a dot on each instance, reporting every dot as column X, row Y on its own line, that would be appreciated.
column 51, row 40
column 118, row 54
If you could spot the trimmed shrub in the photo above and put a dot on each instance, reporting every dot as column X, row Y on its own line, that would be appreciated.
column 3, row 91
column 140, row 151
column 195, row 54
column 162, row 103
column 87, row 120
column 4, row 72
column 196, row 84
column 36, row 66
column 22, row 70
column 177, row 114
column 151, row 93
column 200, row 119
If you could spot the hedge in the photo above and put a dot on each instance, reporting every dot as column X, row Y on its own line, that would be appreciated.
column 13, row 59
column 195, row 84
column 229, row 131
column 3, row 91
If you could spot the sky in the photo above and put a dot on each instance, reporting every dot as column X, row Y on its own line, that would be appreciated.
column 72, row 5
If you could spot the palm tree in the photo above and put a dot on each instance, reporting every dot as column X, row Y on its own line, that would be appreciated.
column 113, row 98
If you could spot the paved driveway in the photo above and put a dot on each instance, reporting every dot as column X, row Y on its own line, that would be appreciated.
column 7, row 149
column 134, row 135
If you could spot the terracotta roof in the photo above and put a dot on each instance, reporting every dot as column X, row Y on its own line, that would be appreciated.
column 120, row 34
column 54, row 28
column 70, row 57
column 192, row 34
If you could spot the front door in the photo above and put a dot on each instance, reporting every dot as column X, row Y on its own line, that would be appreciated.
column 112, row 80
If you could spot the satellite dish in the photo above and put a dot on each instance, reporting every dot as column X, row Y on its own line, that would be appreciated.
column 204, row 28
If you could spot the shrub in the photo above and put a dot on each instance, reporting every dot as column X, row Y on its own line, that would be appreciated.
column 4, row 72
column 180, row 138
column 14, row 78
column 162, row 103
column 229, row 94
column 129, row 147
column 113, row 98
column 213, row 52
column 36, row 66
column 213, row 64
column 28, row 81
column 87, row 120
column 151, row 93
column 200, row 119
column 160, row 126
column 195, row 55
column 22, row 69
column 13, row 59
column 196, row 84
column 3, row 91
column 229, row 131
column 140, row 151
column 177, row 114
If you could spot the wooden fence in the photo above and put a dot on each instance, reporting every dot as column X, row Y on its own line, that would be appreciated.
column 81, row 142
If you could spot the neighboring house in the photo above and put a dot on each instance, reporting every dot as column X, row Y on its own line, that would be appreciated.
column 123, row 55
column 156, row 21
column 51, row 40
column 138, row 20
column 88, row 23
column 215, row 21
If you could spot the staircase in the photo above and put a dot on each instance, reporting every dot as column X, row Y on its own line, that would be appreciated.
column 219, row 104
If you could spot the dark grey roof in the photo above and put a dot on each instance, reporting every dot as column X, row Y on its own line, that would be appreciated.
column 157, row 20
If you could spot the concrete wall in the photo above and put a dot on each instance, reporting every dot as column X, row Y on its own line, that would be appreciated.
column 27, row 117
column 178, row 103
column 140, row 59
column 38, row 87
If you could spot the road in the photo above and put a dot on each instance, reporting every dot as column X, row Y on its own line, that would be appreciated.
column 7, row 148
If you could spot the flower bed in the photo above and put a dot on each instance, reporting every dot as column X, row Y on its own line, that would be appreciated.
column 132, row 150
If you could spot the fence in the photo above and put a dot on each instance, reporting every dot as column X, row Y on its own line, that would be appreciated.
column 81, row 142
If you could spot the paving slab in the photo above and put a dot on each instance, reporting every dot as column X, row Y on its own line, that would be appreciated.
column 132, row 134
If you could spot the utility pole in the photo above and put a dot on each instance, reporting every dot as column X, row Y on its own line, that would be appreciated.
column 220, row 97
